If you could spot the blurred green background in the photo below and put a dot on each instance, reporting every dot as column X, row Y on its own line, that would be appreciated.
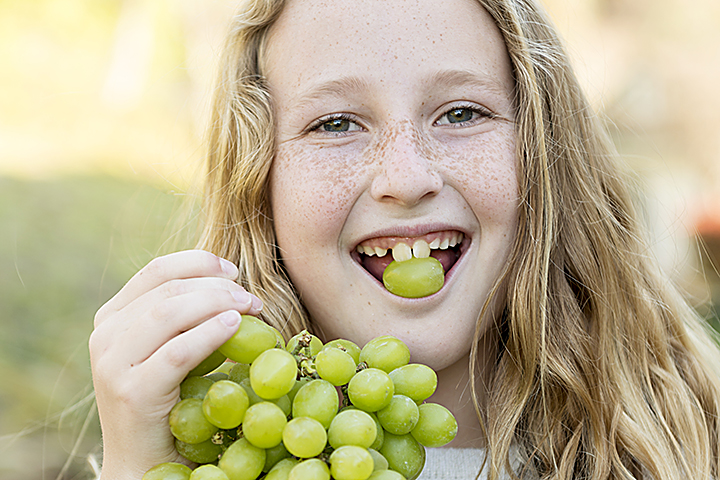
column 101, row 111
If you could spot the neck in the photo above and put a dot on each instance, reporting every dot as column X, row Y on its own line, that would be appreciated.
column 454, row 393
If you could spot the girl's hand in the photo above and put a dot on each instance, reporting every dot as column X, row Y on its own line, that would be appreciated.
column 169, row 317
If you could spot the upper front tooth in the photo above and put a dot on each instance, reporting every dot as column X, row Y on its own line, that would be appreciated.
column 435, row 243
column 421, row 249
column 401, row 252
column 444, row 244
column 380, row 252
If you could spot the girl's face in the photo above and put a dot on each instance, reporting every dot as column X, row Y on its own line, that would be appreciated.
column 394, row 124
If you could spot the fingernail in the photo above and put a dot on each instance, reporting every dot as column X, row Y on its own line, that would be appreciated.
column 230, row 318
column 257, row 304
column 241, row 296
column 229, row 268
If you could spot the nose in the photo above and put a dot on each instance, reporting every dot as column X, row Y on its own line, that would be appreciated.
column 405, row 174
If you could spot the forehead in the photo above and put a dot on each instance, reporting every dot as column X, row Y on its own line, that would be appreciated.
column 387, row 39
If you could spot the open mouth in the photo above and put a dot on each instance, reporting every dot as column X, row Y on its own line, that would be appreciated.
column 375, row 254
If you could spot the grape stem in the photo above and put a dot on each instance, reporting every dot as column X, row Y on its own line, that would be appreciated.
column 345, row 398
column 218, row 438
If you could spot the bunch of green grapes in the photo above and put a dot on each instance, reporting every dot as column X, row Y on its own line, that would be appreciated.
column 305, row 411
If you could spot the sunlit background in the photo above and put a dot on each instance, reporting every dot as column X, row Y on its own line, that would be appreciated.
column 102, row 106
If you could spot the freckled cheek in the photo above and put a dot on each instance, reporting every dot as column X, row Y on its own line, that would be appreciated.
column 484, row 172
column 311, row 192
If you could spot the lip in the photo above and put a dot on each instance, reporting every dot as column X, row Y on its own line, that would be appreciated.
column 416, row 231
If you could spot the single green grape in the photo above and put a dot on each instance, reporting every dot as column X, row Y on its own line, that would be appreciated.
column 315, row 344
column 304, row 437
column 386, row 353
column 188, row 423
column 281, row 470
column 225, row 404
column 414, row 380
column 386, row 475
column 404, row 454
column 317, row 399
column 351, row 462
column 273, row 373
column 195, row 387
column 168, row 471
column 414, row 278
column 312, row 469
column 209, row 364
column 400, row 416
column 346, row 345
column 335, row 365
column 239, row 372
column 208, row 472
column 352, row 427
column 203, row 452
column 273, row 455
column 380, row 435
column 242, row 460
column 263, row 425
column 379, row 462
column 436, row 426
column 251, row 339
column 370, row 389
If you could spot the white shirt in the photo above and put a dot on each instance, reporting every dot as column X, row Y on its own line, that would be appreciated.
column 459, row 464
column 453, row 464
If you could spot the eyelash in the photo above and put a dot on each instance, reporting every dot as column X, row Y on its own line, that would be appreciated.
column 316, row 125
column 483, row 113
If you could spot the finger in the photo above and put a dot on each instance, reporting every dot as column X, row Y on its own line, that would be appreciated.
column 179, row 265
column 181, row 287
column 173, row 316
column 108, row 332
column 185, row 351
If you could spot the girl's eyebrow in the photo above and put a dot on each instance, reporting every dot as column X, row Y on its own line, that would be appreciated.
column 446, row 79
column 340, row 87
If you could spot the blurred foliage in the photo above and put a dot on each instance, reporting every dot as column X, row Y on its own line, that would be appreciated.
column 67, row 245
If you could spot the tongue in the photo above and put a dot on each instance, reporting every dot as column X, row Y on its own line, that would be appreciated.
column 447, row 258
column 376, row 265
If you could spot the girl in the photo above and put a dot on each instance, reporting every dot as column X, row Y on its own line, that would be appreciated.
column 342, row 132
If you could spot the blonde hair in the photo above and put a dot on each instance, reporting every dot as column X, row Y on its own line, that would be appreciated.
column 602, row 370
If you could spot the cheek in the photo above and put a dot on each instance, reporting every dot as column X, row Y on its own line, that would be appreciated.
column 309, row 188
column 484, row 171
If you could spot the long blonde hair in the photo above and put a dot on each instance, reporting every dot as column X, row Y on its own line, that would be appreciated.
column 602, row 370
